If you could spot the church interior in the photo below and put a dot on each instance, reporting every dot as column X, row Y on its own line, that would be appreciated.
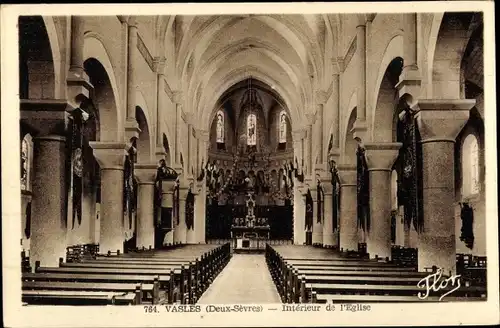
column 251, row 158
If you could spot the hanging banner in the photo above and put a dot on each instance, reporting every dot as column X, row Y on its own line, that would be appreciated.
column 309, row 211
column 409, row 169
column 128, row 185
column 363, row 193
column 335, row 200
column 190, row 210
column 77, row 165
column 319, row 214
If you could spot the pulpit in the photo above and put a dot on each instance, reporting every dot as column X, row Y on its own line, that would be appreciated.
column 250, row 233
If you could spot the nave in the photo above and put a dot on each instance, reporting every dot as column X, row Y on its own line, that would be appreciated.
column 138, row 152
column 211, row 274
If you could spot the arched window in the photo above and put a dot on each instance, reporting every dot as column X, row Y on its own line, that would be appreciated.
column 252, row 130
column 282, row 127
column 220, row 127
column 470, row 166
column 26, row 162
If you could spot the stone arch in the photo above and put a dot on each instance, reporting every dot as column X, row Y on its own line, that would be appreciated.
column 144, row 139
column 350, row 144
column 351, row 107
column 106, row 91
column 166, row 147
column 448, row 39
column 240, row 75
column 103, row 99
column 386, row 102
column 39, row 58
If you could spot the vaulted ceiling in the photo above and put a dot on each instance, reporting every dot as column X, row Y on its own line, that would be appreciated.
column 287, row 53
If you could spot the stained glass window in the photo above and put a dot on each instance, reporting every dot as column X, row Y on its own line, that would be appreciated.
column 282, row 127
column 220, row 127
column 470, row 166
column 252, row 130
column 26, row 162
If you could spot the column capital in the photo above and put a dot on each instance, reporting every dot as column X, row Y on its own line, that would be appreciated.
column 203, row 135
column 338, row 65
column 145, row 173
column 160, row 152
column 347, row 174
column 321, row 97
column 360, row 129
column 442, row 119
column 326, row 185
column 183, row 192
column 131, row 129
column 159, row 64
column 298, row 134
column 177, row 97
column 381, row 156
column 109, row 155
column 45, row 116
column 167, row 186
column 311, row 119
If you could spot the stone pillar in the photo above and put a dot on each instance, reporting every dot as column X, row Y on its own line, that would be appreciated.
column 167, row 201
column 110, row 156
column 328, row 237
column 145, row 229
column 361, row 80
column 131, row 76
column 380, row 157
column 180, row 232
column 317, row 232
column 77, row 36
column 348, row 208
column 299, row 214
column 439, row 123
column 191, row 233
column 48, row 221
column 48, row 119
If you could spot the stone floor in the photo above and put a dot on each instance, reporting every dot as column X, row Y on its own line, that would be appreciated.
column 244, row 280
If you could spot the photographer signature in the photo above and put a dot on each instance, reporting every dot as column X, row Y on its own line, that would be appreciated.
column 433, row 282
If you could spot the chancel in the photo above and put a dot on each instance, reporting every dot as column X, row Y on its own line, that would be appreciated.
column 251, row 158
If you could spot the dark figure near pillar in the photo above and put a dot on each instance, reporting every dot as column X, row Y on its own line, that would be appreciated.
column 467, row 216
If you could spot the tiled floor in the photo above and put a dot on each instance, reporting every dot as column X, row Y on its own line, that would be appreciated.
column 245, row 279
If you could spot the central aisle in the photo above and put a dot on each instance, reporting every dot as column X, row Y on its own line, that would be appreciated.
column 245, row 279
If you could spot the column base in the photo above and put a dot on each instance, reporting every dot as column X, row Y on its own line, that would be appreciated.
column 437, row 251
column 349, row 242
column 329, row 240
column 378, row 248
column 191, row 236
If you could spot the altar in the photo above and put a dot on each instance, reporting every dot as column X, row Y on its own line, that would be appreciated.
column 250, row 233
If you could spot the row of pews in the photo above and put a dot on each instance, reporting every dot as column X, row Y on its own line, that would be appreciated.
column 177, row 275
column 305, row 274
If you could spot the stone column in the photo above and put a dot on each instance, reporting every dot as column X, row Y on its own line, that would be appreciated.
column 361, row 80
column 145, row 229
column 47, row 118
column 110, row 156
column 348, row 208
column 191, row 233
column 180, row 232
column 380, row 157
column 299, row 213
column 439, row 123
column 167, row 201
column 131, row 76
column 328, row 238
column 317, row 232
column 77, row 36
column 48, row 228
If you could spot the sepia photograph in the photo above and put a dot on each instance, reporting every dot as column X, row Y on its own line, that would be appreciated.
column 217, row 164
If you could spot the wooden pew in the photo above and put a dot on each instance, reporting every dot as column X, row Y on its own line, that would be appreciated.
column 327, row 298
column 142, row 291
column 158, row 282
column 60, row 297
